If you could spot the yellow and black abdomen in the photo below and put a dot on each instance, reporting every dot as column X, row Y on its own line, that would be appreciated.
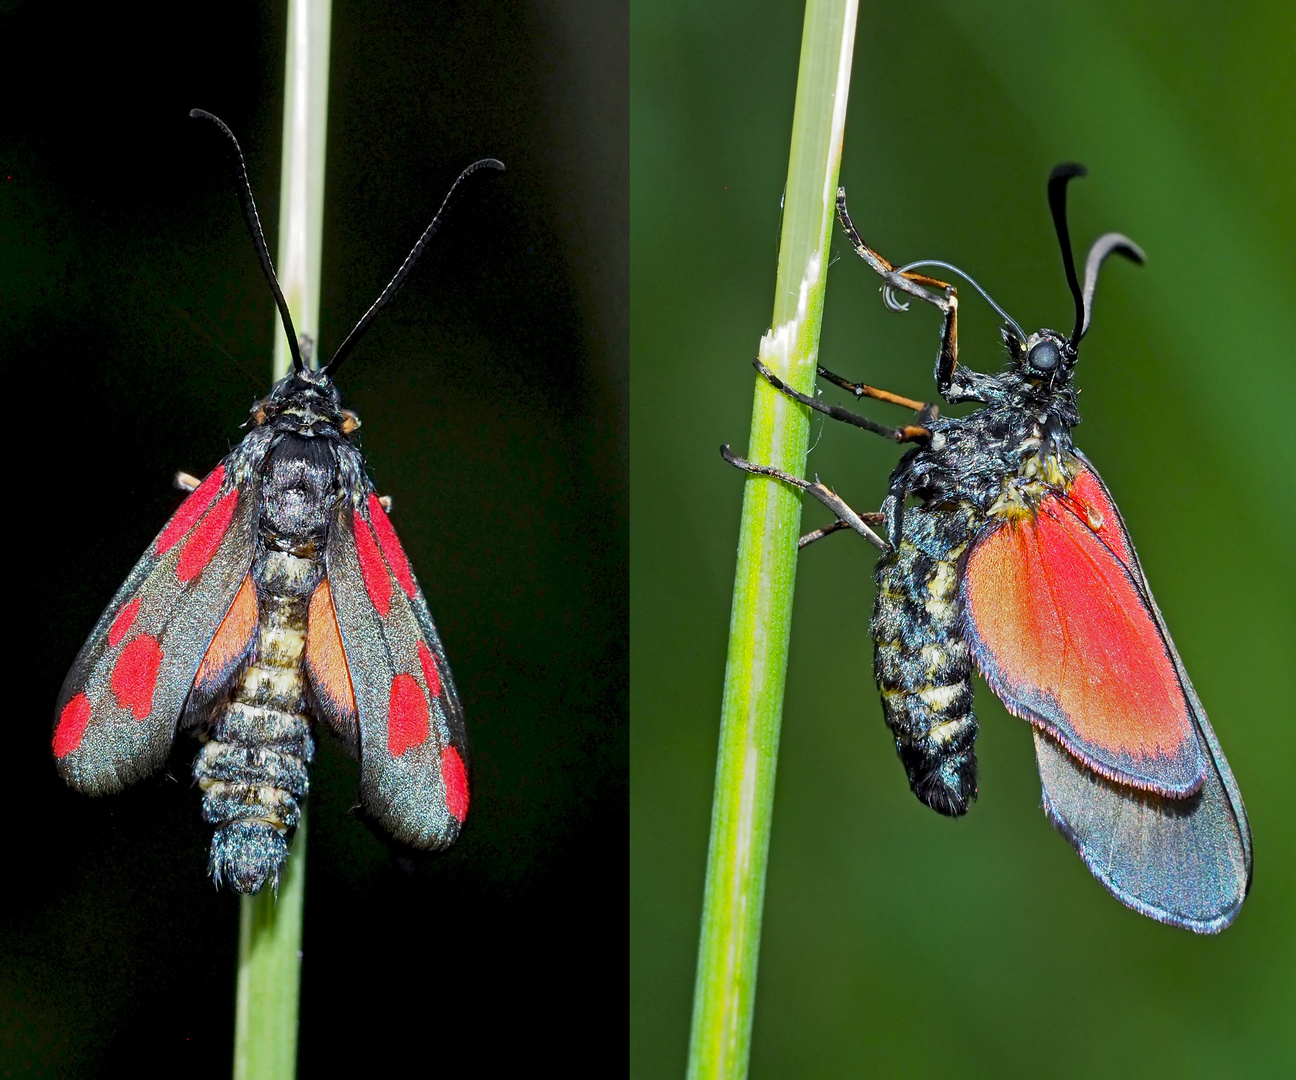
column 920, row 660
column 252, row 768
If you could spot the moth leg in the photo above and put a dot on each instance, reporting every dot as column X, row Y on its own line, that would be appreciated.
column 963, row 386
column 836, row 526
column 909, row 433
column 927, row 412
column 917, row 285
column 829, row 498
column 185, row 482
column 385, row 501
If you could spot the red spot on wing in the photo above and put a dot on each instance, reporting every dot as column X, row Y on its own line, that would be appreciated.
column 1063, row 636
column 190, row 511
column 376, row 579
column 455, row 779
column 71, row 726
column 391, row 546
column 202, row 545
column 232, row 637
column 134, row 677
column 407, row 716
column 430, row 675
column 122, row 624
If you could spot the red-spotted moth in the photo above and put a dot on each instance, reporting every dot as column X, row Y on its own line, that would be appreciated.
column 277, row 594
column 1015, row 562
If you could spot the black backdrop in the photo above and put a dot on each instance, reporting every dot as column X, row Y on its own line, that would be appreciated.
column 136, row 331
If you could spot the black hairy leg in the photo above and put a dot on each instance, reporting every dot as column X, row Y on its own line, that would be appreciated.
column 836, row 526
column 955, row 384
column 909, row 433
column 925, row 410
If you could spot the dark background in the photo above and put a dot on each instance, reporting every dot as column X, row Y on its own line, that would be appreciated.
column 137, row 330
column 895, row 942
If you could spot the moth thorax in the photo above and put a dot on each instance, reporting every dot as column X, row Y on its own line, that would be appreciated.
column 1044, row 470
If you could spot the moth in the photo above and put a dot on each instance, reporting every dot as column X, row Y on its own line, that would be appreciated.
column 1015, row 562
column 278, row 594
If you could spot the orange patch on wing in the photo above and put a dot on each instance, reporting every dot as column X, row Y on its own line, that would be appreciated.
column 1090, row 503
column 1062, row 634
column 232, row 636
column 325, row 657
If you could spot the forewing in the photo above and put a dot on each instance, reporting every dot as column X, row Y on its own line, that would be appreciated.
column 1183, row 861
column 412, row 742
column 117, row 712
column 1060, row 625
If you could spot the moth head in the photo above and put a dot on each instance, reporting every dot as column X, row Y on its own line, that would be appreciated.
column 305, row 400
column 1045, row 357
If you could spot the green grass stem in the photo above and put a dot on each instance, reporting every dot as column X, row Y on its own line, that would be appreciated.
column 759, row 629
column 269, row 974
column 270, row 926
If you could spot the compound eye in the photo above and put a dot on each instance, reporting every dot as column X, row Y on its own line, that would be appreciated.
column 1045, row 357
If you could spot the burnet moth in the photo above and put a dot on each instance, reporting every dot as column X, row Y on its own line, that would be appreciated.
column 276, row 595
column 1015, row 562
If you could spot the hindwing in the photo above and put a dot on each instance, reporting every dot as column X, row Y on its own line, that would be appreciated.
column 377, row 671
column 117, row 712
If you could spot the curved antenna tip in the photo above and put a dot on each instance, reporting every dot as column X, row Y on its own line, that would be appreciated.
column 1108, row 244
column 203, row 114
column 1067, row 170
column 398, row 280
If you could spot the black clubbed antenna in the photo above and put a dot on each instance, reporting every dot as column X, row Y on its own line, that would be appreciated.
column 258, row 237
column 405, row 267
column 1057, row 183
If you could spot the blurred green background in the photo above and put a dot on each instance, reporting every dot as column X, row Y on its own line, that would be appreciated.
column 896, row 942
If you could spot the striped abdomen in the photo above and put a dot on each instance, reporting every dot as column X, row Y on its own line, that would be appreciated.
column 252, row 768
column 921, row 662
